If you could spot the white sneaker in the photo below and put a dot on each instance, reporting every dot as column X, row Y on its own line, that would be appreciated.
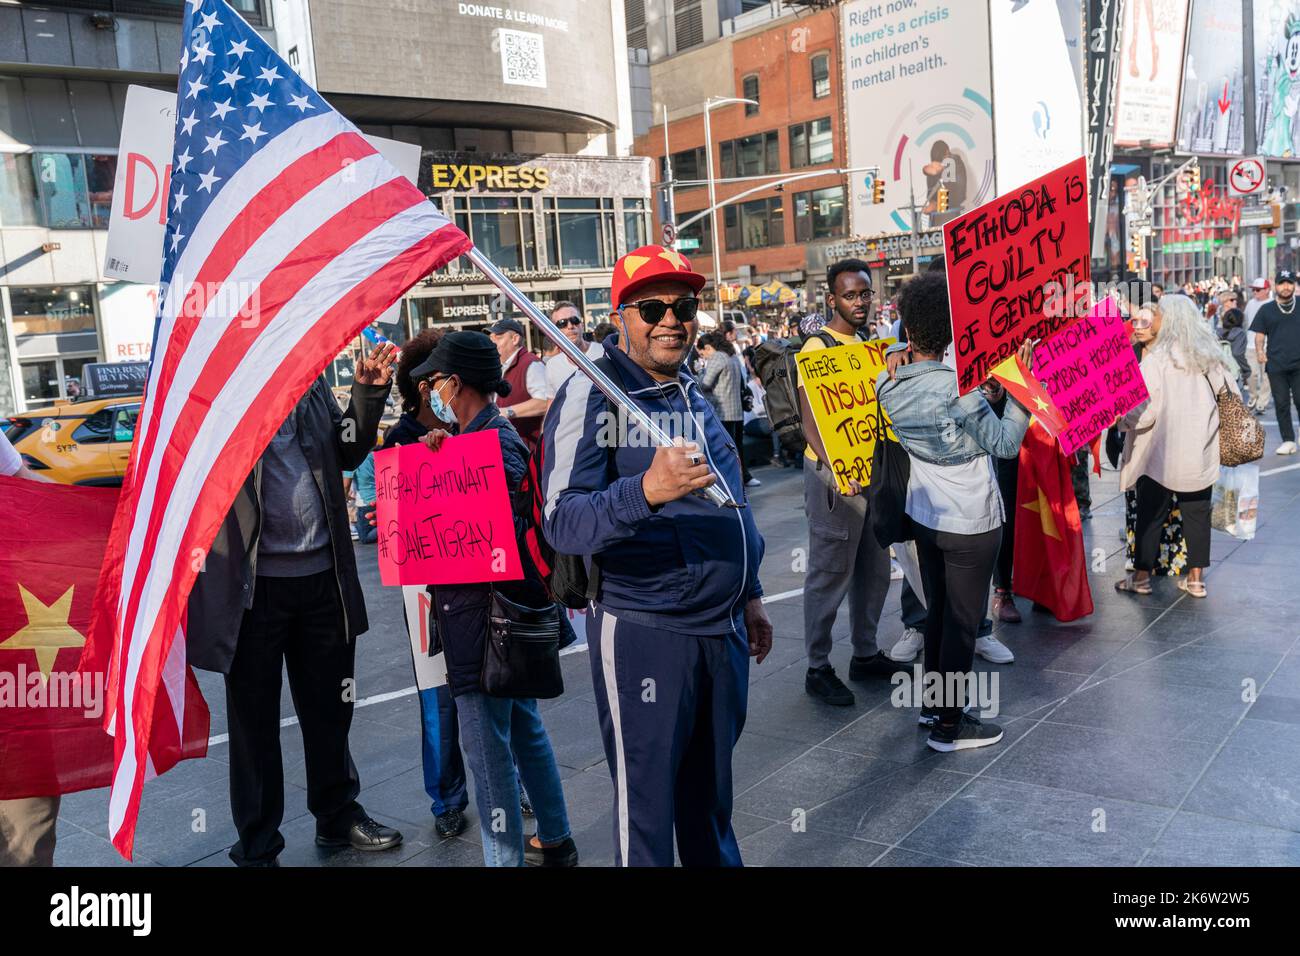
column 1286, row 448
column 991, row 649
column 909, row 645
column 752, row 483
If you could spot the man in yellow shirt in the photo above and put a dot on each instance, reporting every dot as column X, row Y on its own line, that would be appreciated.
column 843, row 555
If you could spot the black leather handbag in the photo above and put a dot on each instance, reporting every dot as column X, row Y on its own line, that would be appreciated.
column 891, row 470
column 521, row 658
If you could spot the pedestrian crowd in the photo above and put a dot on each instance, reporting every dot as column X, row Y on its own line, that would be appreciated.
column 670, row 581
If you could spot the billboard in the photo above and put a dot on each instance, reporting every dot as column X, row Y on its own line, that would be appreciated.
column 1212, row 118
column 1037, row 94
column 558, row 57
column 1150, row 69
column 918, row 101
column 1277, row 76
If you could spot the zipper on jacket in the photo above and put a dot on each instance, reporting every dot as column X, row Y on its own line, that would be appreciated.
column 740, row 517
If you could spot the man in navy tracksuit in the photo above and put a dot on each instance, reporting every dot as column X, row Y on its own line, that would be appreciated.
column 678, row 609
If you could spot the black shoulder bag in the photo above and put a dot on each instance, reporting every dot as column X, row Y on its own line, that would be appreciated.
column 891, row 470
column 521, row 654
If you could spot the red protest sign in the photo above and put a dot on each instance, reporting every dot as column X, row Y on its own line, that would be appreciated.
column 1017, row 269
column 1092, row 374
column 444, row 517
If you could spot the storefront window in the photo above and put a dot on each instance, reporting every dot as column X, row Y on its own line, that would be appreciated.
column 40, row 382
column 50, row 310
column 819, row 214
column 636, row 223
column 580, row 233
column 501, row 227
column 56, row 190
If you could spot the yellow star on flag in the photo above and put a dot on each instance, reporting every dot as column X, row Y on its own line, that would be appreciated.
column 632, row 263
column 47, row 630
column 675, row 257
column 1042, row 405
column 1044, row 511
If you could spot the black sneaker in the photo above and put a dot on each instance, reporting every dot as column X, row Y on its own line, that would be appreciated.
column 562, row 854
column 966, row 734
column 877, row 665
column 450, row 823
column 930, row 716
column 822, row 683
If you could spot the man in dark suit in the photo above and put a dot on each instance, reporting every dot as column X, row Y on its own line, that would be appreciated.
column 278, row 588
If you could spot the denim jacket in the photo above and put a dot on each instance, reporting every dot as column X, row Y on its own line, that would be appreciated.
column 935, row 425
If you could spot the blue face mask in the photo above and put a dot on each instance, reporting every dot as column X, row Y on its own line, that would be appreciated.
column 439, row 407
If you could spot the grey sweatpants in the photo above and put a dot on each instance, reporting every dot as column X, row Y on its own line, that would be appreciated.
column 843, row 558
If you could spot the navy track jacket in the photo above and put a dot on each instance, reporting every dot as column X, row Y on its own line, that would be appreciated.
column 691, row 566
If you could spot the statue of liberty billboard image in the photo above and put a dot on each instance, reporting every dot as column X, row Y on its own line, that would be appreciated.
column 1280, row 91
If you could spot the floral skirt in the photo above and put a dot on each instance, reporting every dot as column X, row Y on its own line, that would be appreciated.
column 1172, row 560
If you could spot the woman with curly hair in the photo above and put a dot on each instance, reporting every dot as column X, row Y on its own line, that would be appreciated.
column 953, row 500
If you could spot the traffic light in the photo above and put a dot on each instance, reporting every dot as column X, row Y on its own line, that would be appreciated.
column 877, row 191
column 1194, row 179
column 941, row 199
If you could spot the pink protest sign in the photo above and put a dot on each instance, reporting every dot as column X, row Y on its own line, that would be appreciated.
column 444, row 517
column 1091, row 373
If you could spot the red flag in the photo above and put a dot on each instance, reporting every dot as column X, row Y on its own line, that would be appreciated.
column 52, row 738
column 1029, row 391
column 1095, row 448
column 1050, row 565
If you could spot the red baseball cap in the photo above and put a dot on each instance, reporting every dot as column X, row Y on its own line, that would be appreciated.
column 640, row 267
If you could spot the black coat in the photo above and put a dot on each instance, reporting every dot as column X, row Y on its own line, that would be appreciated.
column 460, row 611
column 333, row 442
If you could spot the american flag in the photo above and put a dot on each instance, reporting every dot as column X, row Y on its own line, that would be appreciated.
column 287, row 233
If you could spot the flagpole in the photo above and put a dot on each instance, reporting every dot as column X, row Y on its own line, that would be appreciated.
column 579, row 358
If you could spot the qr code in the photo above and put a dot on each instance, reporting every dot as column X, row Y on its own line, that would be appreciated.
column 523, row 59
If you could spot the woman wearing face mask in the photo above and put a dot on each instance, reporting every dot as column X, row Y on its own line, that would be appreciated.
column 460, row 378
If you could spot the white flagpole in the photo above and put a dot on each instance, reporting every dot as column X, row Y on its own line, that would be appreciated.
column 598, row 378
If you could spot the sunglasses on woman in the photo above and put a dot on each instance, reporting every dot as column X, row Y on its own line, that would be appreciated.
column 652, row 311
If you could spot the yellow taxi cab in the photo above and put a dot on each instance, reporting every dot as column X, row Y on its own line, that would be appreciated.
column 77, row 443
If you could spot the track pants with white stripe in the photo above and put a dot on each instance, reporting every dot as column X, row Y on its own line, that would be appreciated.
column 671, row 710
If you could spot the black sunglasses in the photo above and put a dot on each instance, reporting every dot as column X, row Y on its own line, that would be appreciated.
column 652, row 311
column 565, row 323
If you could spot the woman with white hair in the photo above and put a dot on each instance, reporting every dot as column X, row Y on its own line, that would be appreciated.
column 1171, row 441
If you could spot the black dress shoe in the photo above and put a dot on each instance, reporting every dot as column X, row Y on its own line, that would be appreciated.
column 877, row 665
column 822, row 683
column 366, row 834
column 562, row 854
column 450, row 823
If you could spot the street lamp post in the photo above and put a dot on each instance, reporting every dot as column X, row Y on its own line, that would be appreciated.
column 709, row 105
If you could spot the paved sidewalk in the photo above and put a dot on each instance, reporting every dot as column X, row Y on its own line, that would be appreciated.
column 1159, row 731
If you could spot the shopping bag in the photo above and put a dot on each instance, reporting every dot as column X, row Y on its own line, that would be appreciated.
column 1235, row 501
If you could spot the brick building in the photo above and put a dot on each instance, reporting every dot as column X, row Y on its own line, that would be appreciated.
column 786, row 58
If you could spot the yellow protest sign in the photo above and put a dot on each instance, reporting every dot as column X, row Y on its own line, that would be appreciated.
column 841, row 386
